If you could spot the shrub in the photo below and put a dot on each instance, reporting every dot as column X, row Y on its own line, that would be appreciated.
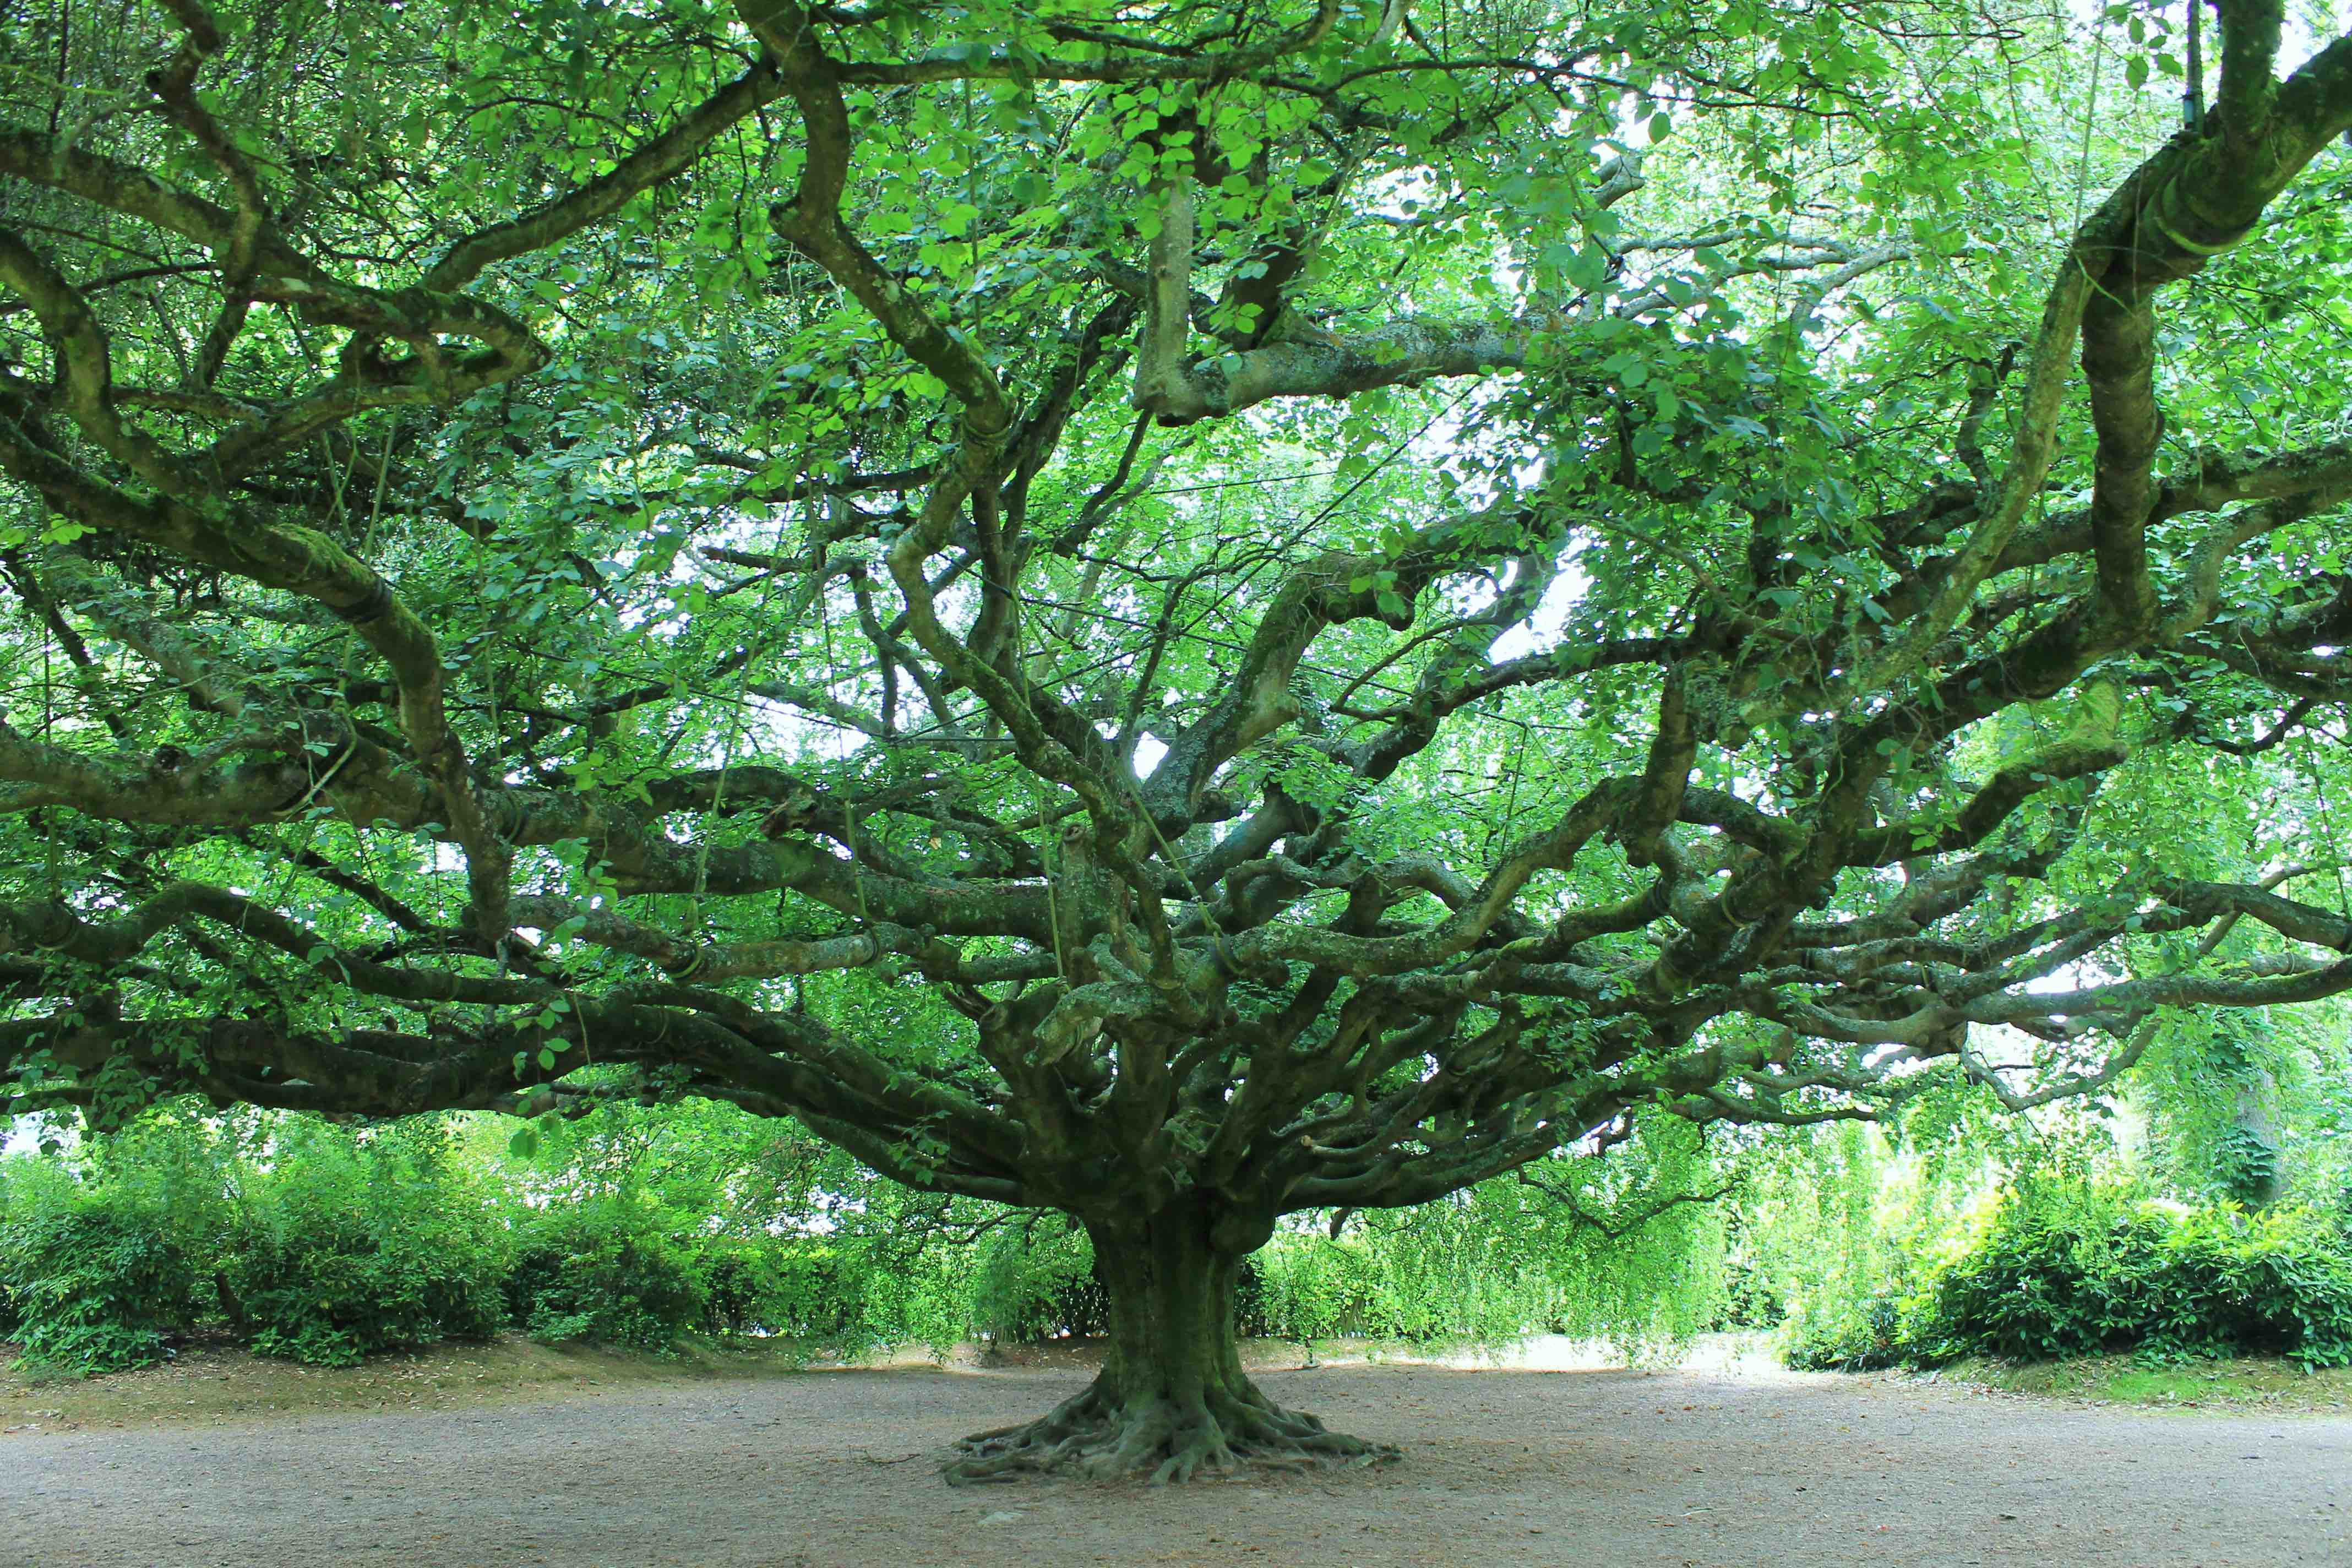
column 1036, row 1281
column 740, row 1284
column 94, row 1279
column 2168, row 1284
column 9, row 1317
column 799, row 1290
column 1387, row 1285
column 342, row 1253
column 2071, row 1269
column 1313, row 1289
column 176, row 1166
column 606, row 1271
column 1752, row 1298
column 1846, row 1333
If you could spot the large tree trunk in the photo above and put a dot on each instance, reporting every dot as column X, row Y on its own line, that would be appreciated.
column 1171, row 1398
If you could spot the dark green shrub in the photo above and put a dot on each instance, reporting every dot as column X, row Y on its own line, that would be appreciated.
column 2068, row 1270
column 344, row 1253
column 1250, row 1319
column 739, row 1286
column 94, row 1280
column 1854, row 1335
column 2210, row 1281
column 606, row 1271
column 2245, row 1166
column 8, row 1315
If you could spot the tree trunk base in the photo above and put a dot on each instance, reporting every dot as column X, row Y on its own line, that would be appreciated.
column 1096, row 1436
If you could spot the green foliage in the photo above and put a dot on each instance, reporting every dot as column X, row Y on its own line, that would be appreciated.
column 10, row 1169
column 1494, row 1264
column 1035, row 1281
column 1312, row 1287
column 344, row 1250
column 1838, row 1224
column 608, row 1270
column 1721, row 466
column 799, row 1290
column 94, row 1280
column 2253, row 1107
column 2245, row 1165
column 642, row 1228
column 2062, row 1269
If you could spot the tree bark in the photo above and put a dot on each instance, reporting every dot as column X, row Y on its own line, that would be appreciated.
column 1171, row 1399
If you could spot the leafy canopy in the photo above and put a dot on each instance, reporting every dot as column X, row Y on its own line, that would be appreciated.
column 1252, row 607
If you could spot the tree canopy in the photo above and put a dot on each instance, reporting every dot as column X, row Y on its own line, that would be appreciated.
column 1177, row 613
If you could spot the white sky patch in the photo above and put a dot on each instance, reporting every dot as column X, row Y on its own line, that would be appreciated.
column 1541, row 632
column 23, row 1134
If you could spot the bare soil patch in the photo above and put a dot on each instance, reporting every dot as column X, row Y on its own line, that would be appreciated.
column 836, row 1469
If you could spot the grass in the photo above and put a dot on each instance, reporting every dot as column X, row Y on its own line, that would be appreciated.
column 217, row 1381
column 2246, row 1382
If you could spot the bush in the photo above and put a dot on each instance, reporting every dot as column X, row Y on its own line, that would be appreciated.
column 798, row 1290
column 2208, row 1281
column 1445, row 1276
column 606, row 1271
column 2068, row 1269
column 742, row 1284
column 9, row 1317
column 94, row 1280
column 342, row 1253
column 1313, row 1289
column 1841, row 1333
column 1036, row 1280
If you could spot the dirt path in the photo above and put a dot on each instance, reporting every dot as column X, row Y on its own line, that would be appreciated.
column 834, row 1470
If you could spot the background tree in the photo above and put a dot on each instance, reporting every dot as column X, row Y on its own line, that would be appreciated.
column 1181, row 615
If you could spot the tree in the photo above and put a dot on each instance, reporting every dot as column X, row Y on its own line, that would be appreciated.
column 1184, row 615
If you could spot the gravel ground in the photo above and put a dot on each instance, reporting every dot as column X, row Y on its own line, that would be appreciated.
column 836, row 1469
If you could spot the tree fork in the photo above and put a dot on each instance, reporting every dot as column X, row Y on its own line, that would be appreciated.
column 1171, row 1400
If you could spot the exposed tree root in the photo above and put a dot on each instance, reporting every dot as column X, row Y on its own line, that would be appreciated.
column 1161, row 1440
